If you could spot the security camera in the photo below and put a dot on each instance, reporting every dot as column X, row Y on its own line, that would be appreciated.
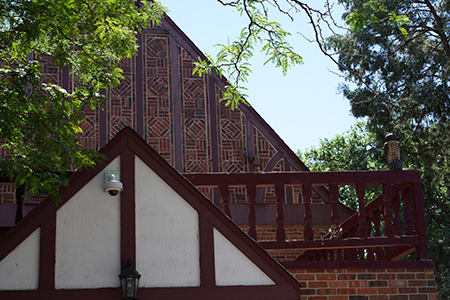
column 112, row 184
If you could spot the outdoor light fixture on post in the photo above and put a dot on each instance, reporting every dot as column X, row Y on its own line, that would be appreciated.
column 129, row 281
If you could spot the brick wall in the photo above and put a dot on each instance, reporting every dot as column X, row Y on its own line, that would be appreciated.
column 367, row 284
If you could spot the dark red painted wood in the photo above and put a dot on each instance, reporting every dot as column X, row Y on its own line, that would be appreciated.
column 103, row 126
column 349, row 243
column 127, row 209
column 406, row 197
column 370, row 252
column 404, row 264
column 362, row 225
column 214, row 132
column 419, row 218
column 334, row 195
column 47, row 253
column 285, row 286
column 279, row 194
column 377, row 223
column 207, row 266
column 398, row 227
column 140, row 86
column 297, row 178
column 308, row 233
column 387, row 214
column 225, row 199
column 20, row 193
column 176, row 100
column 251, row 199
column 269, row 292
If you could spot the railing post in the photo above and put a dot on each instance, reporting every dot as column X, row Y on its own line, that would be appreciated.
column 334, row 195
column 376, row 224
column 397, row 221
column 280, row 233
column 370, row 254
column 361, row 193
column 308, row 233
column 419, row 221
column 406, row 197
column 388, row 227
column 251, row 198
column 225, row 199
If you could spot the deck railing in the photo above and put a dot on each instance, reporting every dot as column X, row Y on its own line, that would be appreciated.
column 387, row 228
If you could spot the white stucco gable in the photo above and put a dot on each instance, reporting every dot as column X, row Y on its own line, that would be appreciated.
column 20, row 269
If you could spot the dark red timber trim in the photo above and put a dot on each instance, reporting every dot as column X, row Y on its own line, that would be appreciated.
column 207, row 267
column 140, row 86
column 127, row 209
column 213, row 129
column 249, row 142
column 286, row 287
column 176, row 95
column 289, row 190
column 47, row 208
column 103, row 125
column 211, row 213
column 66, row 78
column 383, row 264
column 194, row 293
column 214, row 133
column 47, row 254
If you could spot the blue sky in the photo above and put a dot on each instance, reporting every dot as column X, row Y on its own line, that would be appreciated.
column 303, row 106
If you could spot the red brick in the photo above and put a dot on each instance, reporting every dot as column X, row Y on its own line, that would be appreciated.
column 326, row 277
column 358, row 284
column 406, row 276
column 417, row 283
column 379, row 297
column 396, row 270
column 398, row 297
column 335, row 270
column 367, row 276
column 318, row 298
column 378, row 283
column 346, row 276
column 367, row 291
column 305, row 277
column 338, row 298
column 304, row 291
column 387, row 291
column 398, row 283
column 407, row 290
column 418, row 297
column 338, row 284
column 315, row 284
column 427, row 290
column 346, row 291
column 386, row 276
column 326, row 291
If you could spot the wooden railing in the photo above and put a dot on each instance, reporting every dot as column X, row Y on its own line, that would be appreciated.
column 388, row 228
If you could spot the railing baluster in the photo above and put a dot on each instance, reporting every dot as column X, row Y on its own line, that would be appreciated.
column 419, row 221
column 406, row 197
column 396, row 210
column 280, row 233
column 225, row 199
column 370, row 254
column 388, row 227
column 308, row 233
column 376, row 224
column 251, row 198
column 353, row 252
column 361, row 193
column 334, row 195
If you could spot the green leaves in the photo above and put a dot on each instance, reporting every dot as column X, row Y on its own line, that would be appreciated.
column 39, row 121
column 233, row 59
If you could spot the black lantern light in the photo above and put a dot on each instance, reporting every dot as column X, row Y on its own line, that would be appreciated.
column 129, row 281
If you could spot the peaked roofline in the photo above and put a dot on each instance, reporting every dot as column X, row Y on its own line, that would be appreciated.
column 253, row 116
column 129, row 144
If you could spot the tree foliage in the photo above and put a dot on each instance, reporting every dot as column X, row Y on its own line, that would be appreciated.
column 39, row 121
column 354, row 150
column 401, row 85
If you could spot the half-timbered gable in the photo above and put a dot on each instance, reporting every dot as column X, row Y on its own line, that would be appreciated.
column 180, row 243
